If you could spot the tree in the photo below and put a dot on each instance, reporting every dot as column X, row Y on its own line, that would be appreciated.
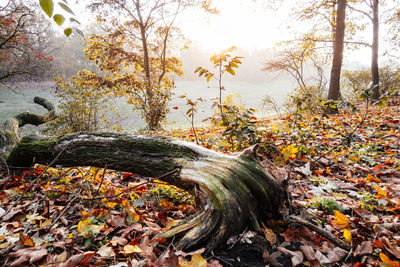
column 22, row 46
column 136, row 52
column 297, row 61
column 373, row 16
column 235, row 191
column 338, row 44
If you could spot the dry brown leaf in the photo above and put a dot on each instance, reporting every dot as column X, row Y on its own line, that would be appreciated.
column 269, row 235
column 395, row 251
column 87, row 258
column 364, row 248
column 30, row 255
column 116, row 240
column 309, row 252
column 335, row 255
column 296, row 256
column 271, row 258
column 73, row 261
column 167, row 259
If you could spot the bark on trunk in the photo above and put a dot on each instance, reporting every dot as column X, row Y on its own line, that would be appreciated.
column 375, row 48
column 334, row 83
column 234, row 191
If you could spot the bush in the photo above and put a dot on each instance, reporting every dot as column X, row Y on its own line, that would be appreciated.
column 83, row 107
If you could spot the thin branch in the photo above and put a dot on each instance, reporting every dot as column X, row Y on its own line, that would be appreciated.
column 321, row 232
column 360, row 11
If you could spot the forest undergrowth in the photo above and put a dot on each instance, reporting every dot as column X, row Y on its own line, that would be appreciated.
column 344, row 170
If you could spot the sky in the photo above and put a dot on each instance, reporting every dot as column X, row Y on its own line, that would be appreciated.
column 250, row 27
column 246, row 24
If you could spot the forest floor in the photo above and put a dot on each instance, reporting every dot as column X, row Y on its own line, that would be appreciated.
column 343, row 170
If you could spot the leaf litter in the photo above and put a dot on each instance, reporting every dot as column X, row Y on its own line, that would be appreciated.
column 91, row 216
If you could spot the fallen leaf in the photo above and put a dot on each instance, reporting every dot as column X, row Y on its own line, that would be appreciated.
column 269, row 235
column 87, row 258
column 167, row 259
column 129, row 249
column 335, row 255
column 341, row 221
column 347, row 236
column 196, row 261
column 73, row 261
column 106, row 251
column 364, row 248
column 34, row 217
column 118, row 241
column 25, row 255
column 86, row 227
column 296, row 256
column 385, row 259
column 26, row 240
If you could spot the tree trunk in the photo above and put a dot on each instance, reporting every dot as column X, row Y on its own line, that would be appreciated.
column 334, row 83
column 375, row 47
column 234, row 191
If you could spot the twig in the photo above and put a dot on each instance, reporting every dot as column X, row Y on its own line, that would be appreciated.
column 240, row 237
column 131, row 188
column 322, row 232
column 102, row 179
column 66, row 208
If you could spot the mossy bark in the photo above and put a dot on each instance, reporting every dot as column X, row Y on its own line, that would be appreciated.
column 233, row 191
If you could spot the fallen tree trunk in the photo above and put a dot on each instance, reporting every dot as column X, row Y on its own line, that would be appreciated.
column 234, row 191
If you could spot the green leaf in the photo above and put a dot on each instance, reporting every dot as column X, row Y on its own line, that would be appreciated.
column 381, row 103
column 74, row 20
column 68, row 32
column 65, row 7
column 47, row 6
column 59, row 19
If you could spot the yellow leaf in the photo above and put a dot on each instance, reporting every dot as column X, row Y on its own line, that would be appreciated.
column 131, row 215
column 341, row 221
column 111, row 204
column 129, row 249
column 4, row 245
column 46, row 223
column 196, row 261
column 86, row 227
column 385, row 259
column 347, row 235
column 289, row 152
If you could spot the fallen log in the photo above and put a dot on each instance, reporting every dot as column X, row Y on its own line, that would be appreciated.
column 235, row 192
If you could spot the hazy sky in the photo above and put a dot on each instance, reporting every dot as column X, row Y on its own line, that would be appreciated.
column 248, row 24
column 244, row 23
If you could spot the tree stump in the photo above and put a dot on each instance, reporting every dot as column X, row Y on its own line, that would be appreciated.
column 235, row 192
